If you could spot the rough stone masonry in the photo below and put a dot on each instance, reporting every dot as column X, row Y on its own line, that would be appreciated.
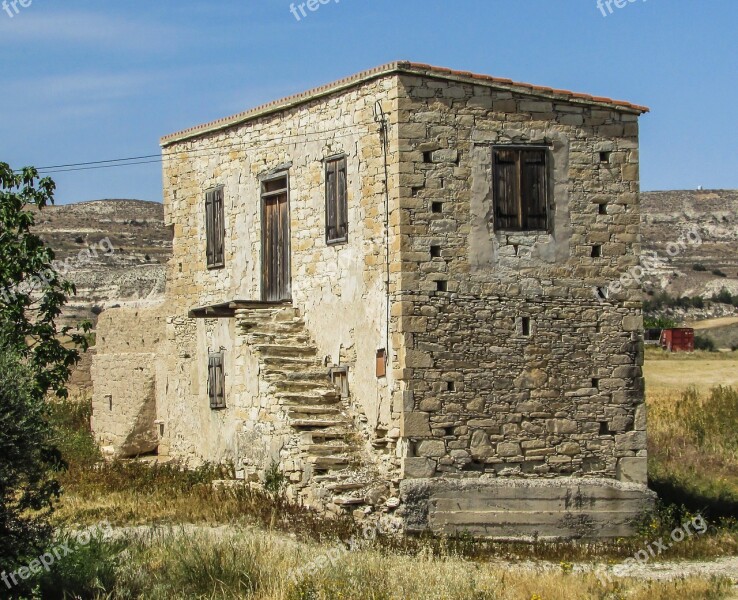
column 455, row 360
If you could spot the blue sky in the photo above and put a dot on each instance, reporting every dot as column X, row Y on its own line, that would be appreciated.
column 86, row 80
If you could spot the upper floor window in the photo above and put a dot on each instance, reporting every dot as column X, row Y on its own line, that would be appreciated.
column 215, row 228
column 520, row 189
column 336, row 201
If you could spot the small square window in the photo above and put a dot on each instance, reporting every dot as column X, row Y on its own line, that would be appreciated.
column 428, row 156
column 597, row 251
column 595, row 383
column 435, row 251
column 604, row 157
column 451, row 386
column 602, row 208
column 520, row 189
column 441, row 285
column 437, row 207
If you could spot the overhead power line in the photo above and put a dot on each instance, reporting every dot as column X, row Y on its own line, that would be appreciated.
column 195, row 152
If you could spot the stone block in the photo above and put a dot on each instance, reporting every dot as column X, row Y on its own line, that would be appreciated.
column 415, row 425
column 633, row 469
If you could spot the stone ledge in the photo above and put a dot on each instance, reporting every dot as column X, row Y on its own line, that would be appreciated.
column 525, row 510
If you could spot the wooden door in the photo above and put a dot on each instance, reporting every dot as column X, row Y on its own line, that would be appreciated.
column 276, row 273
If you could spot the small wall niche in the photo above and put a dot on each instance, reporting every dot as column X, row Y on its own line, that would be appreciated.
column 381, row 363
column 339, row 377
column 525, row 326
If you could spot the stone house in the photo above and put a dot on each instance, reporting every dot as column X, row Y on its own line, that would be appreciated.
column 395, row 289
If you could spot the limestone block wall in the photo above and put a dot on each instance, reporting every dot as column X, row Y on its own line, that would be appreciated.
column 339, row 289
column 128, row 378
column 482, row 396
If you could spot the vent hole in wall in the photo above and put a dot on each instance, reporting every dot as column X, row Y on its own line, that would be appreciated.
column 525, row 326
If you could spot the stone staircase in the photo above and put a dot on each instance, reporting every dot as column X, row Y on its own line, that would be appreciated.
column 330, row 464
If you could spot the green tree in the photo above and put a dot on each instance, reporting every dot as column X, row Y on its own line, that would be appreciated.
column 36, row 357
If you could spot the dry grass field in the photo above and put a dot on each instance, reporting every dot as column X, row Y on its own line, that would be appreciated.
column 245, row 543
column 673, row 373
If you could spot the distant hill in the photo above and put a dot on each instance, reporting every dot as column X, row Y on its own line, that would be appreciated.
column 695, row 270
column 135, row 269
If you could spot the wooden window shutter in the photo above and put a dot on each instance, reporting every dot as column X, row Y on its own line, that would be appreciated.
column 330, row 201
column 336, row 201
column 533, row 189
column 209, row 240
column 507, row 212
column 341, row 200
column 215, row 228
column 219, row 227
column 216, row 380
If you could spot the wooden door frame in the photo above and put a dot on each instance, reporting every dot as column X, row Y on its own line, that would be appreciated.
column 262, row 199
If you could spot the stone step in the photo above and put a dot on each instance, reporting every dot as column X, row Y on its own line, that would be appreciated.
column 293, row 411
column 329, row 462
column 287, row 339
column 347, row 501
column 307, row 398
column 290, row 361
column 324, row 435
column 318, row 423
column 326, row 449
column 288, row 351
column 277, row 375
column 299, row 386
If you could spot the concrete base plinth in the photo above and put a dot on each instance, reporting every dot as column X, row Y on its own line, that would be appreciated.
column 525, row 509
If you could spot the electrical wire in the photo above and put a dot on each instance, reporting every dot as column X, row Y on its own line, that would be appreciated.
column 193, row 152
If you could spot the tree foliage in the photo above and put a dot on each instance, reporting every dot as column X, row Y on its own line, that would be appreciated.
column 36, row 357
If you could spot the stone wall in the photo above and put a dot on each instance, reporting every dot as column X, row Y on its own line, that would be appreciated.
column 340, row 290
column 128, row 376
column 481, row 398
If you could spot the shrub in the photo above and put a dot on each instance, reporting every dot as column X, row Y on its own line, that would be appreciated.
column 699, row 267
column 659, row 323
column 88, row 569
column 724, row 297
column 704, row 343
column 274, row 480
column 719, row 273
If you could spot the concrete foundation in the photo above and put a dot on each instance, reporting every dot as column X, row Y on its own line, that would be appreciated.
column 525, row 509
